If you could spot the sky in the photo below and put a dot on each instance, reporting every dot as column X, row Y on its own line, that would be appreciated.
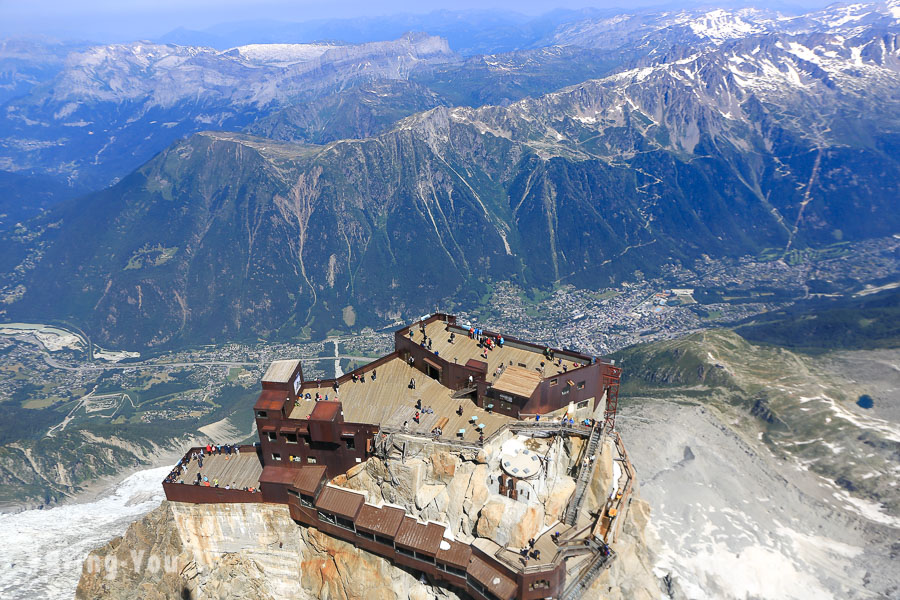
column 120, row 20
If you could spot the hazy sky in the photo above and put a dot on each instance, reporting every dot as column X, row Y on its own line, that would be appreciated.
column 115, row 20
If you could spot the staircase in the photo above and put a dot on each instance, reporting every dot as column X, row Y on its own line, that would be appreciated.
column 462, row 393
column 581, row 584
column 584, row 477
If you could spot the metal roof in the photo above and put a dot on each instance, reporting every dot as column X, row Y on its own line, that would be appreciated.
column 500, row 585
column 343, row 503
column 280, row 371
column 384, row 521
column 270, row 400
column 308, row 478
column 325, row 411
column 283, row 475
column 454, row 553
column 518, row 381
column 424, row 538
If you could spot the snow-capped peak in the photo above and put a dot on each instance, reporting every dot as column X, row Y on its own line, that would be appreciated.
column 280, row 54
column 719, row 24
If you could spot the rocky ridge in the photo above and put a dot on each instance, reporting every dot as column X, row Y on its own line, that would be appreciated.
column 256, row 550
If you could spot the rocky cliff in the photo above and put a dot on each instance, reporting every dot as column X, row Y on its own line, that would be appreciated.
column 258, row 551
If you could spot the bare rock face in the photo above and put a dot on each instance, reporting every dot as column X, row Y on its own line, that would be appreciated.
column 443, row 465
column 226, row 551
column 557, row 499
column 510, row 522
column 631, row 575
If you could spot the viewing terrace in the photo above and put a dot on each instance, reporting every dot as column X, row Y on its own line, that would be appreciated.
column 235, row 470
column 515, row 354
column 389, row 401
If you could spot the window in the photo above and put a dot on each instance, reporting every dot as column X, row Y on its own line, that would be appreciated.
column 328, row 518
column 345, row 523
column 565, row 391
column 406, row 552
column 580, row 385
column 554, row 381
column 384, row 540
column 290, row 438
column 425, row 557
column 276, row 456
column 306, row 500
column 273, row 436
column 351, row 443
column 262, row 414
column 311, row 460
column 583, row 404
column 293, row 493
column 368, row 536
column 540, row 584
column 456, row 571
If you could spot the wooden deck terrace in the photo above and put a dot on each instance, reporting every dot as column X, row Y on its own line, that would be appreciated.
column 235, row 470
column 388, row 401
column 464, row 348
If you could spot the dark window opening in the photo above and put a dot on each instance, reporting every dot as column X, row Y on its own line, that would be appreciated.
column 290, row 438
column 425, row 557
column 276, row 456
column 580, row 385
column 368, row 536
column 351, row 443
column 273, row 436
column 406, row 552
column 262, row 414
column 306, row 500
column 384, row 540
column 328, row 518
column 346, row 523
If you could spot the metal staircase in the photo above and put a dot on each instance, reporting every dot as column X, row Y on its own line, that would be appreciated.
column 582, row 583
column 584, row 477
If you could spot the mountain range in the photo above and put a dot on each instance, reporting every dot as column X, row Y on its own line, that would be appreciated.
column 354, row 176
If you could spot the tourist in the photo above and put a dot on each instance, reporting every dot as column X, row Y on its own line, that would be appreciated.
column 459, row 410
column 419, row 404
column 374, row 371
column 412, row 383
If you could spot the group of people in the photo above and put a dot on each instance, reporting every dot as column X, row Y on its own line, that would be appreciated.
column 361, row 378
column 228, row 450
column 530, row 551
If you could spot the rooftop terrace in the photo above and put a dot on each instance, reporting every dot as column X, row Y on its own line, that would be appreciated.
column 464, row 348
column 389, row 401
